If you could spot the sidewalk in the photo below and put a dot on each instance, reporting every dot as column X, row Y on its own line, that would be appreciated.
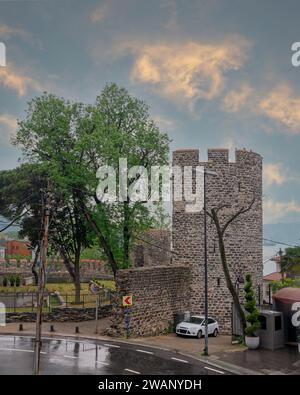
column 222, row 353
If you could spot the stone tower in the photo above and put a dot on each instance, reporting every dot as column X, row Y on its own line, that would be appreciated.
column 235, row 184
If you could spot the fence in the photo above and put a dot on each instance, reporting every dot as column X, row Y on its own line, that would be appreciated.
column 19, row 302
column 263, row 299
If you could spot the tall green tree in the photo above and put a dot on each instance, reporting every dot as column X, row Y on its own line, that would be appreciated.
column 71, row 141
column 20, row 202
column 21, row 196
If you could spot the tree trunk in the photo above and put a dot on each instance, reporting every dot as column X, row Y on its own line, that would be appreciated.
column 33, row 267
column 102, row 241
column 229, row 283
column 77, row 278
column 68, row 264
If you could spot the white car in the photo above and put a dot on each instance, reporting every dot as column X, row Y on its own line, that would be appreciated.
column 195, row 326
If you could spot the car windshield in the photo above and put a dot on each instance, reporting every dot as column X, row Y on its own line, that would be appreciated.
column 194, row 320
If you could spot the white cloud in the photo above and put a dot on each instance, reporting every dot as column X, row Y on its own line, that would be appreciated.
column 237, row 98
column 283, row 106
column 274, row 173
column 274, row 211
column 164, row 123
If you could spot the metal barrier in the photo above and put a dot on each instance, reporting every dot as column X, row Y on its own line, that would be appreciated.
column 19, row 302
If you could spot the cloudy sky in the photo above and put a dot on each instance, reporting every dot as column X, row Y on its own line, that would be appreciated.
column 216, row 73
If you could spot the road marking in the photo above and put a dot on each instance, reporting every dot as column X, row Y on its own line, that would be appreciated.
column 70, row 356
column 145, row 351
column 179, row 360
column 214, row 370
column 111, row 345
column 132, row 371
column 102, row 363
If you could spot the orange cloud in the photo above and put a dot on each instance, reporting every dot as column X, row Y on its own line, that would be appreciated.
column 187, row 71
column 274, row 211
column 283, row 106
column 12, row 79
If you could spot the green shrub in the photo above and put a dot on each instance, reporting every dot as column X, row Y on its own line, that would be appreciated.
column 18, row 280
column 252, row 315
column 12, row 280
column 5, row 282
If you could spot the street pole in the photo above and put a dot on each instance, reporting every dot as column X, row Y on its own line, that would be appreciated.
column 41, row 288
column 205, row 268
column 97, row 308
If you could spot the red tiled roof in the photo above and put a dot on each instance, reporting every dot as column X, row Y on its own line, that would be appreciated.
column 275, row 276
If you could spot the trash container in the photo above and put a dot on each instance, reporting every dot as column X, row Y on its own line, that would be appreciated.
column 271, row 332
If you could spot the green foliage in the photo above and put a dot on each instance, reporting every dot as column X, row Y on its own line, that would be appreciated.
column 18, row 280
column 5, row 282
column 70, row 141
column 12, row 280
column 252, row 315
column 290, row 259
column 284, row 283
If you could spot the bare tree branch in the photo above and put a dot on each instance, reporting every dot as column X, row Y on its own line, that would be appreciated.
column 237, row 214
column 13, row 221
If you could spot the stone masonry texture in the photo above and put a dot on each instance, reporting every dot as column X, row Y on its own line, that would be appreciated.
column 235, row 185
column 160, row 291
column 152, row 249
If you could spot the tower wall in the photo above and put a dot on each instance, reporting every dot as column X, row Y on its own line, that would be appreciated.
column 235, row 184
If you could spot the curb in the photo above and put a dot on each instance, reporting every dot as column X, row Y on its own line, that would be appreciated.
column 234, row 369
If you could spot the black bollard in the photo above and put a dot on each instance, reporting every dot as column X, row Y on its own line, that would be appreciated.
column 76, row 329
column 52, row 328
column 21, row 327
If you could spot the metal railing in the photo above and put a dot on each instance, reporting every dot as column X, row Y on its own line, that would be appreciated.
column 25, row 302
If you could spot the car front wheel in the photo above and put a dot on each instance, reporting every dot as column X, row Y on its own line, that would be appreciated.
column 216, row 332
column 199, row 334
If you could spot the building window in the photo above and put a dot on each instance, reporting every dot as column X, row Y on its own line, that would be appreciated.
column 219, row 281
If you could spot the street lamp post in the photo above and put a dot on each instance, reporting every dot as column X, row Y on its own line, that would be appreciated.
column 206, row 172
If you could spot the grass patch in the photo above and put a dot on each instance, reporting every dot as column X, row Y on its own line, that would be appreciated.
column 63, row 288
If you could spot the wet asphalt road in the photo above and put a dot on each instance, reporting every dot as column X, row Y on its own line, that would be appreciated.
column 69, row 357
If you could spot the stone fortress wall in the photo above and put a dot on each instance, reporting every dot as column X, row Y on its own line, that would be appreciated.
column 235, row 184
column 165, row 284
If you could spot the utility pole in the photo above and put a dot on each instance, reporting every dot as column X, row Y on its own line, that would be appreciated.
column 41, row 288
column 280, row 253
column 205, row 269
column 213, row 173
